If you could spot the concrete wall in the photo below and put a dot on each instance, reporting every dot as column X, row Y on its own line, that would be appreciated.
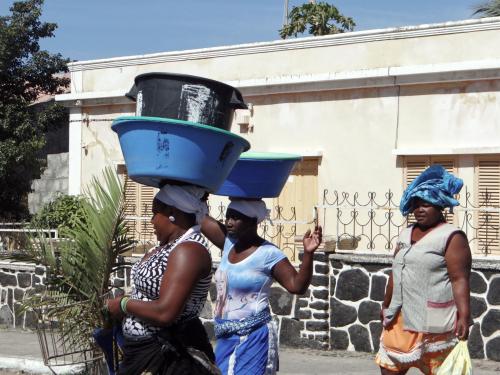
column 362, row 100
column 53, row 181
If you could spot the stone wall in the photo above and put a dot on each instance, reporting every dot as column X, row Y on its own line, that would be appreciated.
column 340, row 310
column 18, row 279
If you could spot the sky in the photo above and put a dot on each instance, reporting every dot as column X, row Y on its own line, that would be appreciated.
column 95, row 29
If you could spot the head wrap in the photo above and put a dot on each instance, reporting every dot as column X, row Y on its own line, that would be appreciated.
column 186, row 198
column 434, row 185
column 252, row 208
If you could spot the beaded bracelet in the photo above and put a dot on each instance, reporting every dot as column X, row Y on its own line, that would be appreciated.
column 123, row 304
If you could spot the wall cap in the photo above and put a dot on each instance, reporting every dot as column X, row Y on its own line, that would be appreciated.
column 393, row 33
column 483, row 264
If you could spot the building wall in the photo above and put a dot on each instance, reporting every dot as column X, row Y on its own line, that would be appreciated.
column 359, row 100
column 354, row 131
column 100, row 145
column 403, row 47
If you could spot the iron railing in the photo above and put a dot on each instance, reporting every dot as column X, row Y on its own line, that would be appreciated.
column 373, row 222
column 370, row 222
column 280, row 229
column 15, row 236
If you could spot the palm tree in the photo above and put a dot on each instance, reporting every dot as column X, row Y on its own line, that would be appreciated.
column 319, row 18
column 79, row 268
column 490, row 8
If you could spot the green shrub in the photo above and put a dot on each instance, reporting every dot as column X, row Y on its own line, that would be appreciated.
column 62, row 213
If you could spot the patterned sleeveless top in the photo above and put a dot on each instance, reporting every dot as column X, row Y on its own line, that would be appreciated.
column 146, row 276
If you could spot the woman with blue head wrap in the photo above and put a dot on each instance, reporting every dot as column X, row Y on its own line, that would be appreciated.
column 426, row 307
column 436, row 186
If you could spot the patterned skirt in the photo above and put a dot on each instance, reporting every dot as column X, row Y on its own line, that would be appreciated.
column 253, row 354
column 400, row 349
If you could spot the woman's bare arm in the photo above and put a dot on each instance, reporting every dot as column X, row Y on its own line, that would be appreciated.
column 298, row 282
column 187, row 264
column 458, row 261
column 388, row 290
column 214, row 230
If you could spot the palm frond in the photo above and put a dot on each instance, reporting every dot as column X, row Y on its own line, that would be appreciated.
column 79, row 268
column 490, row 8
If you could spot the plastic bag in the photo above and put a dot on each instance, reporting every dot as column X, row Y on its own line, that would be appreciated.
column 457, row 362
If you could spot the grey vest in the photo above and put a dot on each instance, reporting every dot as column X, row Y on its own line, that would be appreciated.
column 422, row 287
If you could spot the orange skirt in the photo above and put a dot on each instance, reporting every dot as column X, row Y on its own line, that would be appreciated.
column 400, row 349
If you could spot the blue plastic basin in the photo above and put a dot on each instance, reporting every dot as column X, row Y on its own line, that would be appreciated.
column 258, row 175
column 158, row 149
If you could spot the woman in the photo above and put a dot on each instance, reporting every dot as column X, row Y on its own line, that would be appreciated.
column 162, row 331
column 246, row 335
column 426, row 306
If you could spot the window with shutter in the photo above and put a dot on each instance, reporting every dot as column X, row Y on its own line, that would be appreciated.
column 487, row 173
column 296, row 201
column 138, row 204
column 414, row 165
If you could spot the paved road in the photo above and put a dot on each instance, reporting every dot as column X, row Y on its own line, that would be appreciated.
column 308, row 362
column 20, row 350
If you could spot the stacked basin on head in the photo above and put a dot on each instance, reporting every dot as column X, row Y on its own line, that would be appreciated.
column 258, row 175
column 181, row 131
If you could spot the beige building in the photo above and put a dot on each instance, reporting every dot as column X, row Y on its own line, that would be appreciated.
column 367, row 110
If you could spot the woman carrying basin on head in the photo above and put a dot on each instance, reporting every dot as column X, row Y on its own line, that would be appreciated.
column 426, row 306
column 246, row 335
column 162, row 331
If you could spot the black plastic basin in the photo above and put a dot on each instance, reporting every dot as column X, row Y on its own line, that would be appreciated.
column 185, row 97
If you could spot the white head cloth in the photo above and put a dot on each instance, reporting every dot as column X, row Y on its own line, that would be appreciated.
column 185, row 198
column 251, row 208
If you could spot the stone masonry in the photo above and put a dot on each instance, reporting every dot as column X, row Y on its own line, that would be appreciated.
column 339, row 311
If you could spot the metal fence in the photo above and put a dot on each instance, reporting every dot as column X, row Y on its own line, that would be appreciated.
column 280, row 229
column 15, row 236
column 351, row 221
column 373, row 222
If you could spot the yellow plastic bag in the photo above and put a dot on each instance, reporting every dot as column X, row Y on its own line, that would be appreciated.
column 457, row 362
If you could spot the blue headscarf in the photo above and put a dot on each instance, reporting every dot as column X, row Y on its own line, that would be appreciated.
column 434, row 185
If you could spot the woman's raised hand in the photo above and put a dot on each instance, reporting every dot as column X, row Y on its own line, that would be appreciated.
column 312, row 240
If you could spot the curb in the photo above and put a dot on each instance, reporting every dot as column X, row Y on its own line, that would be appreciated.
column 35, row 366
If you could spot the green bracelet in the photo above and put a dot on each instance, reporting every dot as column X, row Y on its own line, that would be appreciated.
column 123, row 304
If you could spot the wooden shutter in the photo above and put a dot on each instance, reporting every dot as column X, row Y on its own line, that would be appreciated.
column 299, row 196
column 146, row 196
column 131, row 206
column 414, row 165
column 138, row 204
column 488, row 200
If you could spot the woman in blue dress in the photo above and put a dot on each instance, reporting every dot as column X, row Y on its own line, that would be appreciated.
column 247, row 339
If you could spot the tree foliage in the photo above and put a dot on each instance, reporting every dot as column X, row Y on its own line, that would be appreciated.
column 62, row 213
column 490, row 8
column 318, row 18
column 26, row 73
